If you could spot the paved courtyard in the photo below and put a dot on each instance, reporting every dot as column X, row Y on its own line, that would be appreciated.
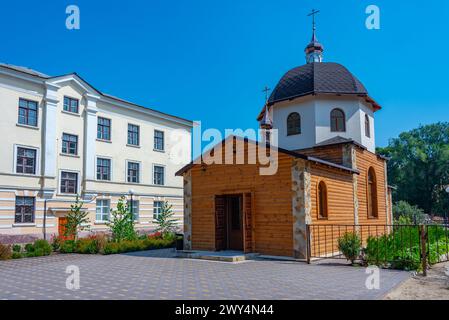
column 157, row 275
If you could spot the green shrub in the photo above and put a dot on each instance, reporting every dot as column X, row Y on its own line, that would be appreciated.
column 42, row 247
column 17, row 248
column 86, row 246
column 55, row 243
column 405, row 213
column 122, row 222
column 350, row 245
column 17, row 255
column 5, row 252
column 29, row 247
column 111, row 248
column 68, row 246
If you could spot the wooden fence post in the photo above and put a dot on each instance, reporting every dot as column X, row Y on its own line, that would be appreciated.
column 422, row 231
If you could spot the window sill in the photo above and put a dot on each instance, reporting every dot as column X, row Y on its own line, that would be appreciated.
column 27, row 126
column 104, row 140
column 69, row 155
column 32, row 175
column 132, row 146
column 158, row 150
column 24, row 225
column 101, row 223
column 71, row 113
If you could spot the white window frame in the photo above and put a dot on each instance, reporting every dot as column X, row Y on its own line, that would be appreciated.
column 77, row 145
column 111, row 168
column 38, row 158
column 154, row 207
column 163, row 140
column 137, row 201
column 165, row 174
column 102, row 206
column 78, row 187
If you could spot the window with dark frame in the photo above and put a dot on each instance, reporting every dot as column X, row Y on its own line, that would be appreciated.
column 69, row 182
column 293, row 124
column 103, row 169
column 133, row 135
column 372, row 194
column 28, row 112
column 134, row 206
column 69, row 144
column 159, row 140
column 133, row 172
column 367, row 127
column 338, row 121
column 104, row 129
column 24, row 210
column 322, row 201
column 26, row 160
column 71, row 105
column 158, row 175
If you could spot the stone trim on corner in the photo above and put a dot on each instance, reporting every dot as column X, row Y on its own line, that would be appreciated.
column 301, row 206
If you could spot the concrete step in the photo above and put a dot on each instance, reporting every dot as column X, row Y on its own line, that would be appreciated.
column 223, row 256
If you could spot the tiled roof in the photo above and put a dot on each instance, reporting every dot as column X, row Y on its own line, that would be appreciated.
column 315, row 78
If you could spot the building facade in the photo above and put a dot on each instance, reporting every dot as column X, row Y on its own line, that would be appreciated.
column 328, row 174
column 62, row 138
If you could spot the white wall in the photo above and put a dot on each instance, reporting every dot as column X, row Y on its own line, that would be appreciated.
column 315, row 121
column 306, row 109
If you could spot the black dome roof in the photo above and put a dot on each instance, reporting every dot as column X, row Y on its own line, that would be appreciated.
column 314, row 78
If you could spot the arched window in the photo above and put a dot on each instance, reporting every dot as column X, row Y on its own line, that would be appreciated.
column 322, row 200
column 338, row 121
column 293, row 124
column 367, row 127
column 372, row 194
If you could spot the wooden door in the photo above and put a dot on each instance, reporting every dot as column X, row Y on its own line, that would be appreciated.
column 220, row 223
column 235, row 222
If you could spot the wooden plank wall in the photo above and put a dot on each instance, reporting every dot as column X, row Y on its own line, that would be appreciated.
column 272, row 222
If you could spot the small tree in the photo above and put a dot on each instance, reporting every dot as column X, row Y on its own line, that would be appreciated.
column 122, row 222
column 405, row 213
column 165, row 221
column 77, row 220
column 350, row 245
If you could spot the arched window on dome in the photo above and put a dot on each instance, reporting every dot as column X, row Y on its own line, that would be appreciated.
column 367, row 127
column 372, row 194
column 322, row 207
column 293, row 124
column 338, row 121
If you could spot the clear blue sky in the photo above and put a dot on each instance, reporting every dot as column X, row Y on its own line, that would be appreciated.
column 209, row 60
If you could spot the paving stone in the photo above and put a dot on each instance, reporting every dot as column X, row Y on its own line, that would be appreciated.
column 159, row 275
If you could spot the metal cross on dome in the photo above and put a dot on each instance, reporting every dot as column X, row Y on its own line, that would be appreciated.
column 313, row 14
column 266, row 90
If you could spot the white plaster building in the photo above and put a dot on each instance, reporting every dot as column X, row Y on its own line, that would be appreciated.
column 61, row 137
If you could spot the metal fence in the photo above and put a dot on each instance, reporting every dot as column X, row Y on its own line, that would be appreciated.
column 395, row 246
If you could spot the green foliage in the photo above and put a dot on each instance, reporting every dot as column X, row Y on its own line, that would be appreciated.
column 165, row 222
column 404, row 213
column 29, row 247
column 86, row 246
column 42, row 247
column 55, row 243
column 419, row 167
column 17, row 255
column 77, row 220
column 17, row 248
column 149, row 243
column 68, row 246
column 401, row 249
column 122, row 223
column 350, row 245
column 5, row 252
